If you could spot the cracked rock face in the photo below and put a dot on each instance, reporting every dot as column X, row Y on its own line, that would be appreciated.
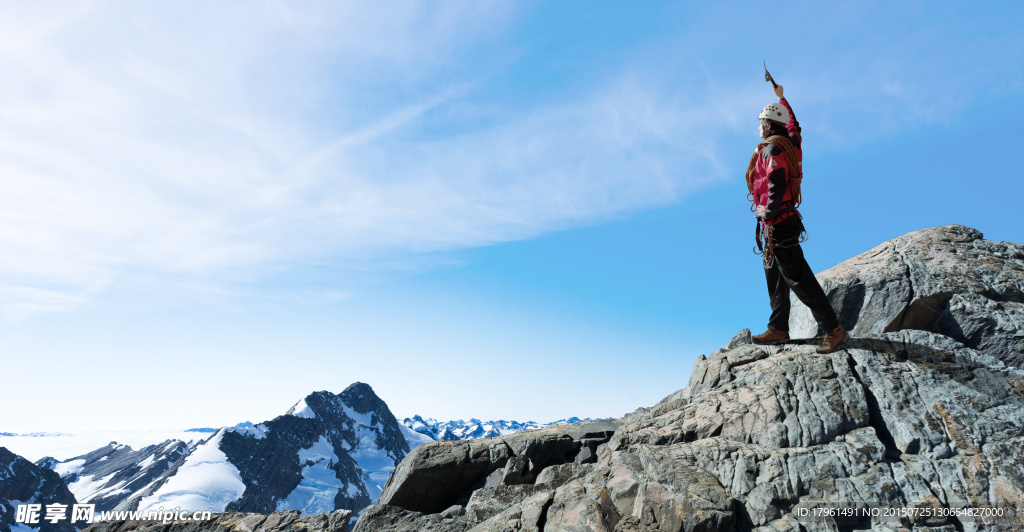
column 903, row 419
column 916, row 418
column 766, row 435
column 948, row 280
column 438, row 475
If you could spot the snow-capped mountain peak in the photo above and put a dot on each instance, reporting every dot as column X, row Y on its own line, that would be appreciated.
column 329, row 451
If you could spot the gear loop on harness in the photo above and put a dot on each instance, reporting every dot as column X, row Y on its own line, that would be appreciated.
column 767, row 232
column 764, row 236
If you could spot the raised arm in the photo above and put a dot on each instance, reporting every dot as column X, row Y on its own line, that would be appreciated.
column 793, row 125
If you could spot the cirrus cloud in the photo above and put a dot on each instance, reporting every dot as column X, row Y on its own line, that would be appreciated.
column 202, row 144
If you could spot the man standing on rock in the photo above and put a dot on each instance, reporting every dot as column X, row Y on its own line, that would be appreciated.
column 773, row 182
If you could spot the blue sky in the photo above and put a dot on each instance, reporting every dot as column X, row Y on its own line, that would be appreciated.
column 518, row 210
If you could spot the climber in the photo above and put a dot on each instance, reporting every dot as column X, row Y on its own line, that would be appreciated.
column 773, row 182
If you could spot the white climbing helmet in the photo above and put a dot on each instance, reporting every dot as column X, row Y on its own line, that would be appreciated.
column 776, row 112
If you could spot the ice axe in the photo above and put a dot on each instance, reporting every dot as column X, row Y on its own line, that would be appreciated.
column 767, row 76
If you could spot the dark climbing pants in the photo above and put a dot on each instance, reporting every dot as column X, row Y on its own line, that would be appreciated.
column 789, row 271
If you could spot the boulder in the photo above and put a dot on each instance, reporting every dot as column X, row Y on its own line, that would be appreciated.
column 947, row 279
column 435, row 476
column 394, row 519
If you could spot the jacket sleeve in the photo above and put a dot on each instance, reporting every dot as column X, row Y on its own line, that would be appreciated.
column 793, row 125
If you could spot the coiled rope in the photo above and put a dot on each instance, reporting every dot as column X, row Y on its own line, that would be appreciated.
column 765, row 231
column 796, row 171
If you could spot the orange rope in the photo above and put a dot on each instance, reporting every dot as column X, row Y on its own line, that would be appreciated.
column 796, row 172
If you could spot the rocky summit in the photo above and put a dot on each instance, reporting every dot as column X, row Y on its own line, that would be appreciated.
column 948, row 280
column 917, row 423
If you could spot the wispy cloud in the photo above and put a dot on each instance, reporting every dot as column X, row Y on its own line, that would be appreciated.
column 218, row 145
column 211, row 144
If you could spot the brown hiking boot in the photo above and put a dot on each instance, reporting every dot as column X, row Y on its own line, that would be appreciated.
column 832, row 340
column 770, row 337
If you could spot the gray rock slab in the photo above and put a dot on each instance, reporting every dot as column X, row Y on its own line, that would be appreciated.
column 384, row 518
column 436, row 475
column 912, row 282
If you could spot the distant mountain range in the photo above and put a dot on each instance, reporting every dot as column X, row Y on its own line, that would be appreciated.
column 33, row 434
column 474, row 428
column 211, row 430
column 327, row 452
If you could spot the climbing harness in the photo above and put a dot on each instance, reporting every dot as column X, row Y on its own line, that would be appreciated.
column 765, row 233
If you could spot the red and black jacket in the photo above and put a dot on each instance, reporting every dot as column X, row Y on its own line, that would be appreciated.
column 772, row 171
